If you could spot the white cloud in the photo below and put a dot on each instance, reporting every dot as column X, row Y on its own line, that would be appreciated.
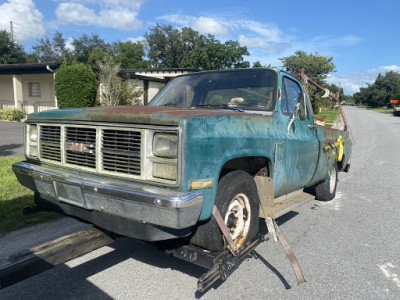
column 26, row 18
column 256, row 42
column 136, row 39
column 69, row 44
column 352, row 82
column 181, row 20
column 221, row 26
column 270, row 32
column 118, row 14
column 206, row 25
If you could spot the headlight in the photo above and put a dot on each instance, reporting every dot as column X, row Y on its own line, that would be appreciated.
column 31, row 140
column 165, row 145
column 33, row 133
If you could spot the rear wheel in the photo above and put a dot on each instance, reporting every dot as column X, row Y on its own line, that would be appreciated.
column 237, row 201
column 326, row 190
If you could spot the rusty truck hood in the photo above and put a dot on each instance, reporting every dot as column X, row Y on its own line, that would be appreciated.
column 149, row 115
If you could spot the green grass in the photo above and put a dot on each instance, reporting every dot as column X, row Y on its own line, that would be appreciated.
column 389, row 110
column 14, row 197
column 330, row 114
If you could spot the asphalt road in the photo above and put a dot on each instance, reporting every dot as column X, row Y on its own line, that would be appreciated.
column 348, row 248
column 11, row 138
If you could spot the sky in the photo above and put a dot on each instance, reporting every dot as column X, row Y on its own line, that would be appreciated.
column 362, row 36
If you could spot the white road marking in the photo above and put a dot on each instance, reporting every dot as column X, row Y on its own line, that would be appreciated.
column 387, row 270
column 335, row 204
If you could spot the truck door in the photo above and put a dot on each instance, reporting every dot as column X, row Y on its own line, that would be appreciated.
column 298, row 152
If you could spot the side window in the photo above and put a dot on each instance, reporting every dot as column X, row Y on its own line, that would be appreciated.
column 291, row 96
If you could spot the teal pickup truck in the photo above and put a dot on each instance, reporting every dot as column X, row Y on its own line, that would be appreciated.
column 225, row 138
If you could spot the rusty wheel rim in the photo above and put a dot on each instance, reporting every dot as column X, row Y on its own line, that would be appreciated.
column 237, row 218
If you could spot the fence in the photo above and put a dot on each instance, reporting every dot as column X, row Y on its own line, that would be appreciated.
column 42, row 106
column 35, row 107
column 6, row 104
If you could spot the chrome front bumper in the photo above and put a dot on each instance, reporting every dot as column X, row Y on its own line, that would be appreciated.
column 138, row 203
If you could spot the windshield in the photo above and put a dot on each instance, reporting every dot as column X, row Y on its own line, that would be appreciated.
column 241, row 89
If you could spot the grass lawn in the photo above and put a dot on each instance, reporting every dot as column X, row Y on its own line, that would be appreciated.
column 389, row 110
column 14, row 197
column 330, row 114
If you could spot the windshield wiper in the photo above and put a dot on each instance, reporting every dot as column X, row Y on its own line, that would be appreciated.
column 223, row 106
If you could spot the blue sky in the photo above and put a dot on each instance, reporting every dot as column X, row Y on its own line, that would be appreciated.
column 362, row 36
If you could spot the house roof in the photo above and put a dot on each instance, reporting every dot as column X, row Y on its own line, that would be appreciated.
column 162, row 71
column 33, row 68
column 132, row 75
column 159, row 75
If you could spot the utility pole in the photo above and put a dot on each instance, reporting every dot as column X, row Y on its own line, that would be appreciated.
column 12, row 32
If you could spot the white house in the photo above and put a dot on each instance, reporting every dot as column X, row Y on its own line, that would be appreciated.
column 28, row 86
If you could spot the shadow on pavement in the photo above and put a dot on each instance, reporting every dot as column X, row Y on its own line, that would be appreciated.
column 11, row 150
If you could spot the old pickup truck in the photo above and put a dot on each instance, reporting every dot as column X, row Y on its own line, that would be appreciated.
column 224, row 138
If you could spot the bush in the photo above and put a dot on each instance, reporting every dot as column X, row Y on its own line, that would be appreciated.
column 12, row 114
column 75, row 86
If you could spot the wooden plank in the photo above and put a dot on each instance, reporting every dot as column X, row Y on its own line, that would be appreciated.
column 23, row 265
column 265, row 187
column 290, row 202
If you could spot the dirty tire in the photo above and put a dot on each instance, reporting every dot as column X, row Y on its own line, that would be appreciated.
column 236, row 192
column 326, row 190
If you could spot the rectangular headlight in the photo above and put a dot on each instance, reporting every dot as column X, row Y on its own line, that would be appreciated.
column 165, row 145
column 31, row 140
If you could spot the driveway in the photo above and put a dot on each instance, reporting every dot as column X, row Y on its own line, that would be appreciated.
column 11, row 138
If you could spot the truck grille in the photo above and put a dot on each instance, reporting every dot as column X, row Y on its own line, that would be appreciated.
column 50, row 137
column 83, row 136
column 119, row 151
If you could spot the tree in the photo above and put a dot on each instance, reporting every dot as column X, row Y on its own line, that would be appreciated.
column 10, row 52
column 97, row 54
column 129, row 55
column 258, row 64
column 315, row 65
column 114, row 89
column 164, row 46
column 173, row 48
column 85, row 44
column 52, row 50
column 384, row 89
column 75, row 86
column 396, row 95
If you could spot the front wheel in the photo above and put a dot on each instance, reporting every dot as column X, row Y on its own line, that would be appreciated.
column 326, row 190
column 237, row 201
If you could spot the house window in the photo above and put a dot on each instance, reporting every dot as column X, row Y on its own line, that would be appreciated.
column 34, row 89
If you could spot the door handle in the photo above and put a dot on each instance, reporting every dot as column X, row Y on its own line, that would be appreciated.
column 292, row 121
